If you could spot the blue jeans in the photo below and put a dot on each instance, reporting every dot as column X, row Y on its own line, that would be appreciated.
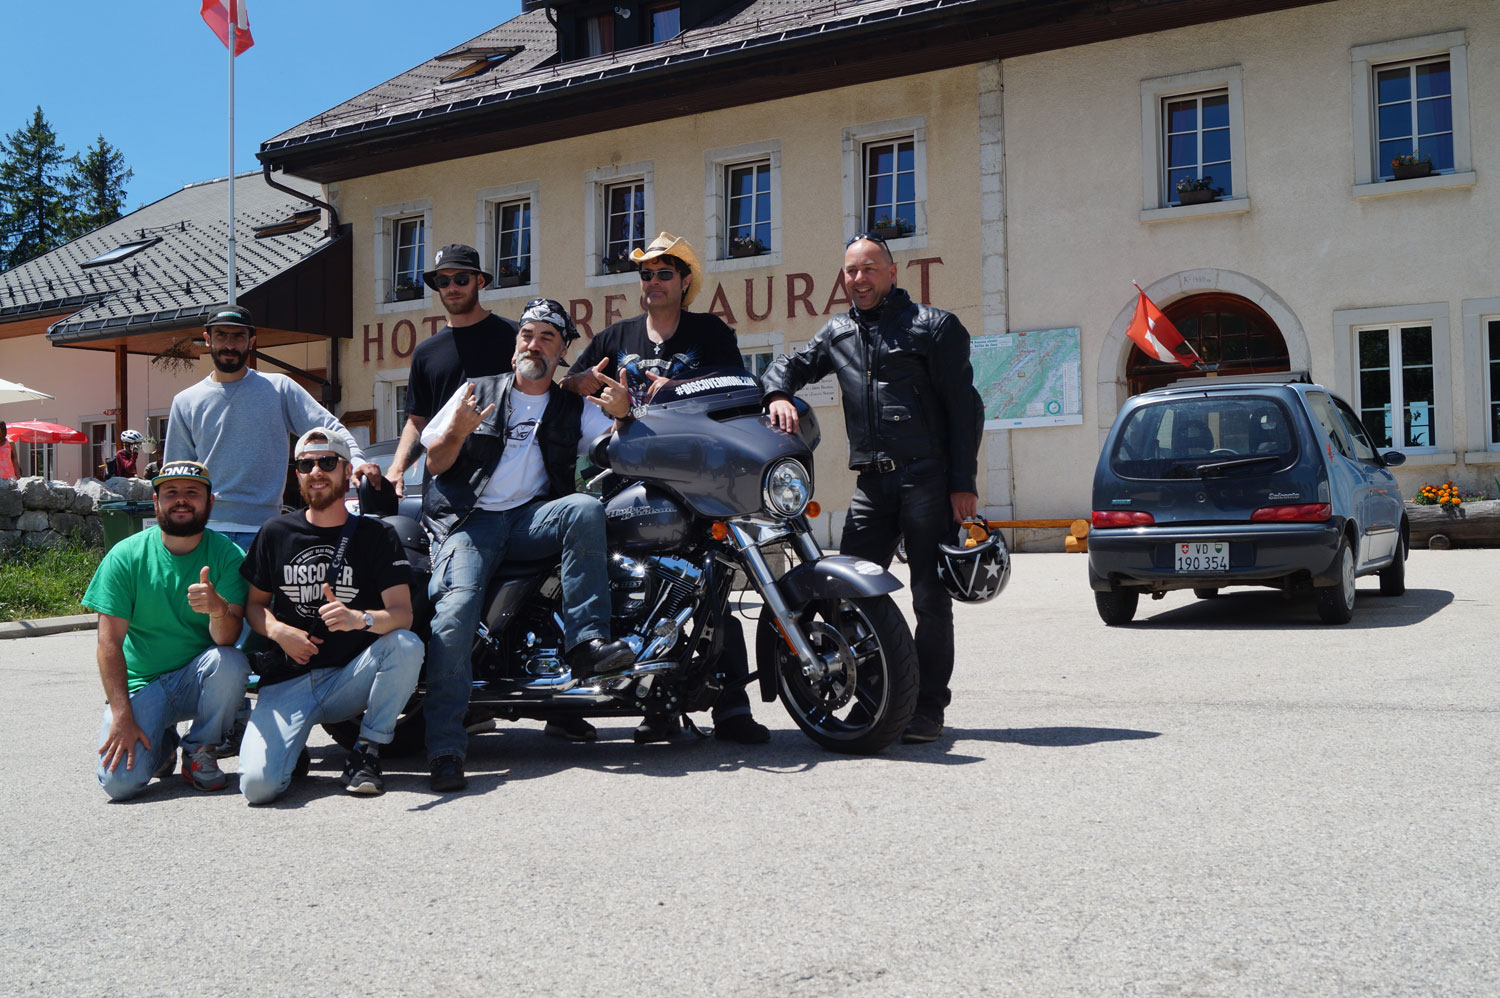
column 206, row 691
column 461, row 570
column 377, row 682
column 240, row 538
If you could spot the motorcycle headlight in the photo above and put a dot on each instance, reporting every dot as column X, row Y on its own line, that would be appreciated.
column 787, row 489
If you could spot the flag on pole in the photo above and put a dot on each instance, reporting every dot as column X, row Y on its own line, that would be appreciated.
column 1155, row 334
column 217, row 13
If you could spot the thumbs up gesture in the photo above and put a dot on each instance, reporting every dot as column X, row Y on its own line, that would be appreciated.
column 204, row 598
column 338, row 617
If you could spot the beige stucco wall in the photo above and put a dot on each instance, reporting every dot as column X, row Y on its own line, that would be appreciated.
column 1306, row 248
column 809, row 130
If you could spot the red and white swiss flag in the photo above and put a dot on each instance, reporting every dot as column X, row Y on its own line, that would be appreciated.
column 217, row 14
column 1155, row 334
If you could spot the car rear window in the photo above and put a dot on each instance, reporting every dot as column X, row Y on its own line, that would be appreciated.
column 1194, row 437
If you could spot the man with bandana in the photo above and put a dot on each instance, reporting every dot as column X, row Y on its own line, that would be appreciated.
column 502, row 451
column 667, row 341
column 170, row 601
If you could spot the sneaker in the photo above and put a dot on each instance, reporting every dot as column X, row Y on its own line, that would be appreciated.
column 447, row 775
column 201, row 769
column 658, row 728
column 362, row 773
column 742, row 729
column 921, row 729
column 574, row 729
column 168, row 764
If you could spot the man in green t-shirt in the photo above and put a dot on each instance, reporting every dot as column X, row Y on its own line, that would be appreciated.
column 170, row 601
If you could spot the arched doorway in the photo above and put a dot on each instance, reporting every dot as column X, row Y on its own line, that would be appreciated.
column 1226, row 329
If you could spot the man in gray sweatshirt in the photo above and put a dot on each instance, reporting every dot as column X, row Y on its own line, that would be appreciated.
column 240, row 423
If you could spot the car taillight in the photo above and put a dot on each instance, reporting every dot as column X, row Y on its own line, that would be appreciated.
column 1121, row 518
column 1311, row 512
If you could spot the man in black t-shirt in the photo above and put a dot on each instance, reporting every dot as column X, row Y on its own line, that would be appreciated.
column 333, row 592
column 667, row 341
column 476, row 342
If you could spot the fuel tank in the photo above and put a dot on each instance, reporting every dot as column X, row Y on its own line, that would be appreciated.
column 645, row 518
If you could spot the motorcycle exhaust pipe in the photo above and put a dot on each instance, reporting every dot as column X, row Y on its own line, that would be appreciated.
column 647, row 662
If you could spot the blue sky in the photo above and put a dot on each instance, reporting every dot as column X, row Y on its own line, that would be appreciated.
column 155, row 84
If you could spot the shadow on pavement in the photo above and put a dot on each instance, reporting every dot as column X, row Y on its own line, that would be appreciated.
column 1269, row 610
column 1053, row 737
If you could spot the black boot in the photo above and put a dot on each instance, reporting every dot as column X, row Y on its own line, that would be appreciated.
column 598, row 656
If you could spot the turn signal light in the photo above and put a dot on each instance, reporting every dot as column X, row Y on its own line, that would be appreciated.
column 1104, row 518
column 813, row 509
column 1310, row 512
column 719, row 531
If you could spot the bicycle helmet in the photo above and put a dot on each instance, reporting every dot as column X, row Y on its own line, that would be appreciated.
column 977, row 568
column 132, row 437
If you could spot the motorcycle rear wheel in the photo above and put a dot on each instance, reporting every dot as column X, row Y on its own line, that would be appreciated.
column 868, row 697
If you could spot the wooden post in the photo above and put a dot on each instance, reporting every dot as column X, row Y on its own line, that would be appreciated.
column 122, row 396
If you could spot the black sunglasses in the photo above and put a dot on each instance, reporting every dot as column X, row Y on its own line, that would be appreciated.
column 443, row 280
column 304, row 465
column 663, row 275
column 873, row 237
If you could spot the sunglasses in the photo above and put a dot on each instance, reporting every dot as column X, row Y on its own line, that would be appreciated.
column 661, row 275
column 443, row 280
column 304, row 465
column 873, row 237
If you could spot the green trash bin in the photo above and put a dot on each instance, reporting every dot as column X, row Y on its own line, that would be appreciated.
column 120, row 518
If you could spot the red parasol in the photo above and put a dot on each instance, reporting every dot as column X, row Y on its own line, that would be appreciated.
column 35, row 431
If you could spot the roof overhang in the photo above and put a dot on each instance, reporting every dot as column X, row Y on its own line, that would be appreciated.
column 899, row 41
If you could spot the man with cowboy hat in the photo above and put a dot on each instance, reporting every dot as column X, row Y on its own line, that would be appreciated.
column 239, row 421
column 503, row 451
column 169, row 600
column 475, row 343
column 666, row 341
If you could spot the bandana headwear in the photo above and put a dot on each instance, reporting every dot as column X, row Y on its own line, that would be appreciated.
column 551, row 312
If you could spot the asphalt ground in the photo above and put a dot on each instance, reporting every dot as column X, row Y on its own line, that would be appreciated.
column 1227, row 798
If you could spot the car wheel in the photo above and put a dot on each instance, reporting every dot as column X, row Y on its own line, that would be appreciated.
column 1117, row 606
column 1207, row 592
column 1336, row 602
column 1393, row 576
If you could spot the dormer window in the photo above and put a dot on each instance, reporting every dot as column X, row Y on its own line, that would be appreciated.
column 121, row 252
column 666, row 21
column 478, row 61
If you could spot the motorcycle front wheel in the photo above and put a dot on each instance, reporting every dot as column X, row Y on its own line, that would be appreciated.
column 865, row 700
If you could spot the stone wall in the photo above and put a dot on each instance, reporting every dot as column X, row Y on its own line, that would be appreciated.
column 36, row 513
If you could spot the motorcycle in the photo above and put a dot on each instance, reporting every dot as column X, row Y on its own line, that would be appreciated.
column 698, row 490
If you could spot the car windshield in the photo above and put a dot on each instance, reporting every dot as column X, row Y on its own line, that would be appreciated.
column 1198, row 437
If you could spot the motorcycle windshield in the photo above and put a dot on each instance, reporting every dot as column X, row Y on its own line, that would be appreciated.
column 707, row 439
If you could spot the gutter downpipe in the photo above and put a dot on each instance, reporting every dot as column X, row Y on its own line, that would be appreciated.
column 332, row 390
column 333, row 213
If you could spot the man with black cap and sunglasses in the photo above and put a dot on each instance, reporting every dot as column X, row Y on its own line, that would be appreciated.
column 914, row 422
column 475, row 343
column 333, row 592
column 503, row 453
column 665, row 342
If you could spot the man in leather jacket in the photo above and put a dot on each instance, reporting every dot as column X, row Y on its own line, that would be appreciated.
column 502, row 452
column 914, row 422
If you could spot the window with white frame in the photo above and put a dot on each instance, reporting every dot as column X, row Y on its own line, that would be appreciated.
column 390, row 402
column 1397, row 401
column 513, row 243
column 747, row 208
column 759, row 350
column 36, row 459
column 101, row 447
column 401, row 254
column 624, row 222
column 885, row 167
column 1411, row 99
column 742, row 206
column 619, row 220
column 1192, row 128
column 1492, row 382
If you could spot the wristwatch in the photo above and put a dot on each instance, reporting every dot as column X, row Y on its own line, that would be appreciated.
column 369, row 620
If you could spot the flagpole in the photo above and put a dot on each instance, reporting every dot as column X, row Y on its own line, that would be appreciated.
column 231, row 19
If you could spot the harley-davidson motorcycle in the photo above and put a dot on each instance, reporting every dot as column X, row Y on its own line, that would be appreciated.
column 698, row 490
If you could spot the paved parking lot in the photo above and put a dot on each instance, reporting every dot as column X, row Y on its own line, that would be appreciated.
column 1227, row 798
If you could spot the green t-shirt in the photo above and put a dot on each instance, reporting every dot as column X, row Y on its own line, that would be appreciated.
column 143, row 582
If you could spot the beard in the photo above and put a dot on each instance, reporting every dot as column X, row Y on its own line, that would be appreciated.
column 327, row 497
column 466, row 303
column 229, row 361
column 178, row 529
column 532, row 367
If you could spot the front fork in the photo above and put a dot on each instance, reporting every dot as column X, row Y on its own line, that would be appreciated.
column 748, row 537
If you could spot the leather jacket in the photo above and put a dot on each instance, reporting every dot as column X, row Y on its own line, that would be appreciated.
column 907, row 384
column 451, row 495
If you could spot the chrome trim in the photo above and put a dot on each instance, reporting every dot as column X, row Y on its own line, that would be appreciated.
column 765, row 584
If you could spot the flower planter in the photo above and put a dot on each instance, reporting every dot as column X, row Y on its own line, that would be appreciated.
column 743, row 251
column 514, row 280
column 624, row 266
column 407, row 292
column 1411, row 171
column 1469, row 524
column 1196, row 197
column 889, row 232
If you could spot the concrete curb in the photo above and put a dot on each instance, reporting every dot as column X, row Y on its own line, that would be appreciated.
column 48, row 625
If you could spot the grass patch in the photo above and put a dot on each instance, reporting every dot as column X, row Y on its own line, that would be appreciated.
column 36, row 583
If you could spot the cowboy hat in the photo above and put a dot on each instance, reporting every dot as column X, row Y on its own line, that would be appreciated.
column 667, row 244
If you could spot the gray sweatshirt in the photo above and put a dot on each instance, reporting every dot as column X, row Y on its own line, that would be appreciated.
column 240, row 430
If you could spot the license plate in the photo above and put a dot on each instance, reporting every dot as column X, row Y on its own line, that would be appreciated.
column 1203, row 556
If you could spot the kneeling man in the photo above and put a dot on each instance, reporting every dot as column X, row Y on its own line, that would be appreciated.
column 169, row 601
column 333, row 592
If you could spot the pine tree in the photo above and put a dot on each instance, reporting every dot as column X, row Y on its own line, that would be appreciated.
column 33, row 215
column 95, row 188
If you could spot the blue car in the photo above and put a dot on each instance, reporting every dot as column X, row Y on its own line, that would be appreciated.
column 1266, row 480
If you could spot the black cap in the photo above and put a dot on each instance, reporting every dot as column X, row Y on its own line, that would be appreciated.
column 455, row 256
column 231, row 315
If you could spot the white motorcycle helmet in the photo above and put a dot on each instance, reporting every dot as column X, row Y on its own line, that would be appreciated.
column 977, row 568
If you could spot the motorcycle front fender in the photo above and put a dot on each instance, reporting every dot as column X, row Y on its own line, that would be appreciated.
column 835, row 576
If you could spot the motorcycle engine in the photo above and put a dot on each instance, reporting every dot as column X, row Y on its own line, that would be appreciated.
column 647, row 593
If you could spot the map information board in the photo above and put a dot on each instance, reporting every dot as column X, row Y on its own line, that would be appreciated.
column 1030, row 378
